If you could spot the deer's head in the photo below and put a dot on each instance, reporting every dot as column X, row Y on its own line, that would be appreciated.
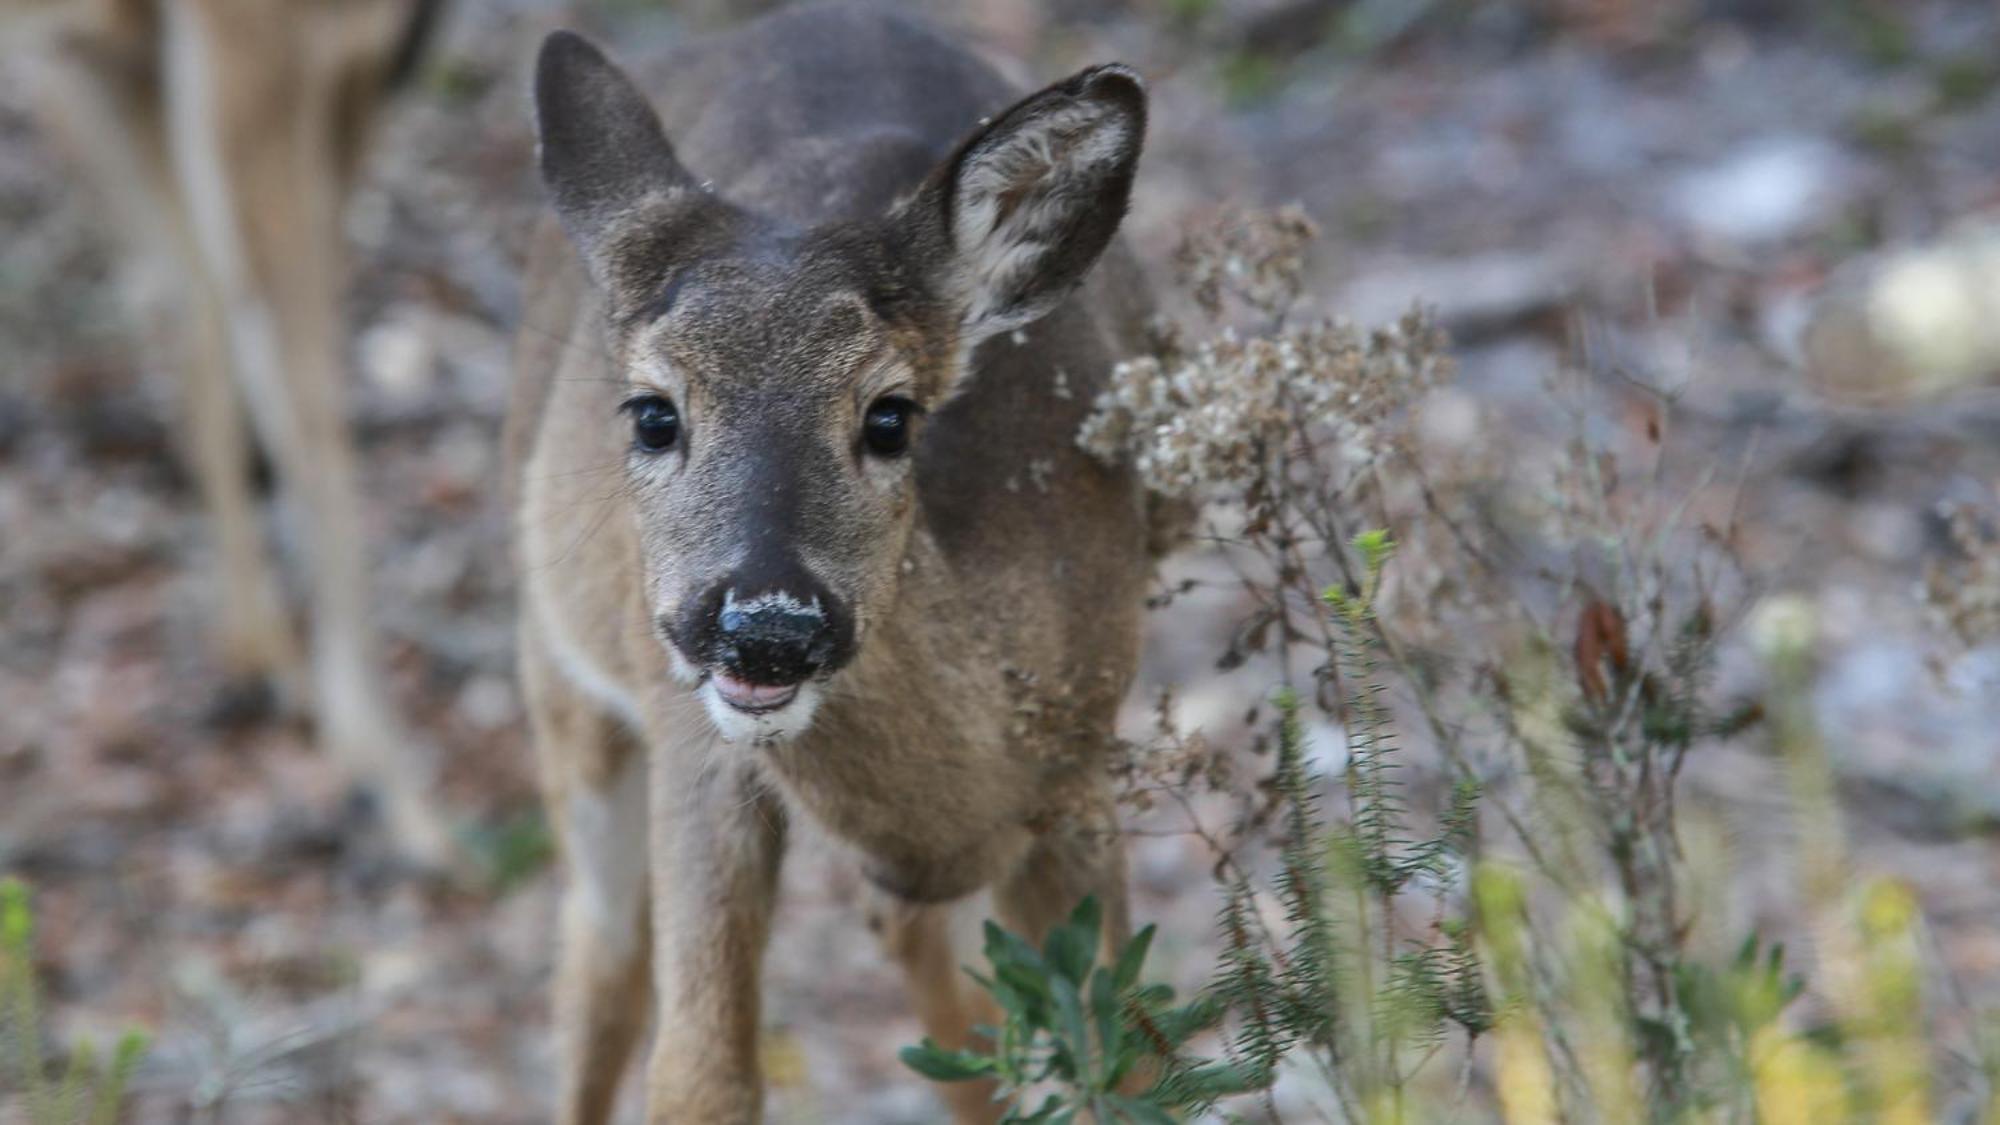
column 779, row 374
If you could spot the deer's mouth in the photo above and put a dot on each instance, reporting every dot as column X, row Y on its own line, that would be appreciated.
column 760, row 714
column 751, row 698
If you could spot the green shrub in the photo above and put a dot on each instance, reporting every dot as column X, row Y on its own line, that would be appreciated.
column 1547, row 631
column 1070, row 1024
column 86, row 1091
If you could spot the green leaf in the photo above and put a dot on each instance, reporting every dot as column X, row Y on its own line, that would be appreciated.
column 1746, row 953
column 1022, row 970
column 1074, row 1030
column 1071, row 948
column 1010, row 1000
column 1375, row 547
column 1178, row 1025
column 940, row 1065
column 1132, row 959
column 1007, row 951
column 1106, row 1014
column 124, row 1060
column 1088, row 915
column 17, row 922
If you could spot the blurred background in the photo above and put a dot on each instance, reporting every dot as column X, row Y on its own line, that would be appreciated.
column 1785, row 213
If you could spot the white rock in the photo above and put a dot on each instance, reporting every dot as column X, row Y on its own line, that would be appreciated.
column 1766, row 190
column 398, row 356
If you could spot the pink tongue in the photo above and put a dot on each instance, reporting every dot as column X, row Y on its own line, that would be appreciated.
column 746, row 694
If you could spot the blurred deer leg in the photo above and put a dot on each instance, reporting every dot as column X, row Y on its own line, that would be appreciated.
column 1084, row 857
column 918, row 939
column 717, row 841
column 250, row 148
column 356, row 720
column 594, row 786
column 253, row 634
column 357, row 723
column 97, row 84
column 603, row 978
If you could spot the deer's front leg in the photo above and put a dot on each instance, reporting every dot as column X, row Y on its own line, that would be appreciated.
column 717, row 838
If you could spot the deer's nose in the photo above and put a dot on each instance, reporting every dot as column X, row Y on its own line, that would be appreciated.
column 774, row 638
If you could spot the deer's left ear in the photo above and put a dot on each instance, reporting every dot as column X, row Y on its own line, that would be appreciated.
column 1029, row 201
column 621, row 195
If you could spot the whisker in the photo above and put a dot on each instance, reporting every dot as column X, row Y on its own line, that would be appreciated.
column 574, row 474
column 608, row 506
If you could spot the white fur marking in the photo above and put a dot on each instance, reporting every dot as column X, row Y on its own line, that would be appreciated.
column 779, row 600
column 585, row 674
column 604, row 838
column 783, row 724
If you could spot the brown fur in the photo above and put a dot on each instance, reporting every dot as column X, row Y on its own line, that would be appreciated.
column 223, row 135
column 995, row 575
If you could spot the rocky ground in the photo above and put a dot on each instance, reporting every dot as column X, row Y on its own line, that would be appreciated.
column 1668, row 193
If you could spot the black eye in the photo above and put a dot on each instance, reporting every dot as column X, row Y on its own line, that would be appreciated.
column 886, row 429
column 656, row 424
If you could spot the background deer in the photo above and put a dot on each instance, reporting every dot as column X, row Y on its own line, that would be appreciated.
column 223, row 136
column 803, row 528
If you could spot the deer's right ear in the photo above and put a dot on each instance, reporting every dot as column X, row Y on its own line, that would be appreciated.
column 609, row 171
column 1031, row 199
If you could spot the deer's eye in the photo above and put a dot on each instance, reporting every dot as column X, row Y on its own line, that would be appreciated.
column 886, row 429
column 656, row 424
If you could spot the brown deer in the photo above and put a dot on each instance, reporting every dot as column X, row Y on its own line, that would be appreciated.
column 803, row 529
column 223, row 135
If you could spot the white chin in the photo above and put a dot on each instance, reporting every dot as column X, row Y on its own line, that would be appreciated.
column 775, row 725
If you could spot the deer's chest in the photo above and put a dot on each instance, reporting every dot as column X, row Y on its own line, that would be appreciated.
column 930, row 823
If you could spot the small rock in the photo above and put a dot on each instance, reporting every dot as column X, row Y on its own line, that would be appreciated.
column 399, row 359
column 1911, row 323
column 1765, row 191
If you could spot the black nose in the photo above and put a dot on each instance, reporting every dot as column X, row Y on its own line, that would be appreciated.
column 773, row 639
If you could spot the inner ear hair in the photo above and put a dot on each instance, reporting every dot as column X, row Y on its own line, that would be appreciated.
column 1032, row 200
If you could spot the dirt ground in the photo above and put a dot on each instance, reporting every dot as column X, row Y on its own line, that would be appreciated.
column 1662, row 192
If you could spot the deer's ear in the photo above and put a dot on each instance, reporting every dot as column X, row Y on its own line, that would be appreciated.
column 1029, row 201
column 610, row 173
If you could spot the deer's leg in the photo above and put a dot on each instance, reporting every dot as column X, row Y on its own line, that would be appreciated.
column 918, row 938
column 253, row 634
column 594, row 785
column 1083, row 855
column 249, row 135
column 717, row 839
column 98, row 86
column 356, row 721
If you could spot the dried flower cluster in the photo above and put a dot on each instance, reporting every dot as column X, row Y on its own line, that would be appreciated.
column 1967, row 595
column 1560, row 701
column 1173, row 763
column 1259, row 257
column 1208, row 417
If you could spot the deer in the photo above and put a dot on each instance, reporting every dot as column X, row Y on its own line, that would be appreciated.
column 222, row 138
column 803, row 533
